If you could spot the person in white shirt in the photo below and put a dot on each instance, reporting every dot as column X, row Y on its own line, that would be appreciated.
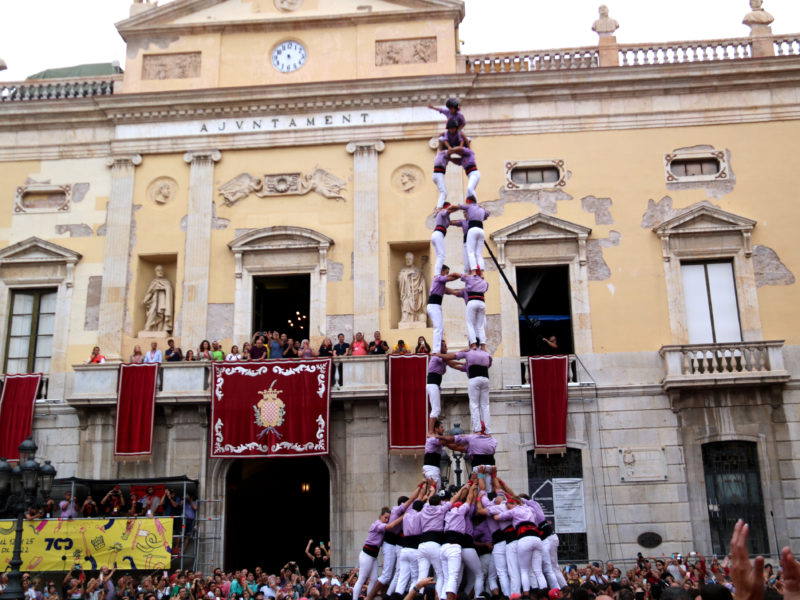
column 234, row 356
column 329, row 577
column 154, row 354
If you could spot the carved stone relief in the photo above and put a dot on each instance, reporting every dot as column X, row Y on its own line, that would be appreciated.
column 407, row 179
column 288, row 5
column 42, row 197
column 182, row 65
column 282, row 184
column 642, row 464
column 405, row 52
column 162, row 189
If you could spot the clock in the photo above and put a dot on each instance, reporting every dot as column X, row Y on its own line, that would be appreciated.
column 288, row 56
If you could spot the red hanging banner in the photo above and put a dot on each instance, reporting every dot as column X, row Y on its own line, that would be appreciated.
column 270, row 408
column 548, row 377
column 136, row 409
column 16, row 411
column 408, row 406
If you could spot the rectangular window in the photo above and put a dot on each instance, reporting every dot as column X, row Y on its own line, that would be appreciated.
column 30, row 331
column 712, row 311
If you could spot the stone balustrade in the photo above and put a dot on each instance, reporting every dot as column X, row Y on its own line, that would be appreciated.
column 58, row 89
column 734, row 363
column 669, row 53
column 536, row 60
column 787, row 45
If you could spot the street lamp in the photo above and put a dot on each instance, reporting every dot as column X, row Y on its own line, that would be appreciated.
column 20, row 486
column 456, row 430
column 444, row 468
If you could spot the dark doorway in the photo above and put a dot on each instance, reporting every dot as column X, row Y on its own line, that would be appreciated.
column 733, row 490
column 270, row 515
column 544, row 294
column 281, row 303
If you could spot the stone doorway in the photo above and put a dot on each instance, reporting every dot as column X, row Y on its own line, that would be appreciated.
column 281, row 302
column 544, row 293
column 273, row 507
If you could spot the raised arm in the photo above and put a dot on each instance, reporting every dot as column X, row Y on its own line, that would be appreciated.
column 308, row 550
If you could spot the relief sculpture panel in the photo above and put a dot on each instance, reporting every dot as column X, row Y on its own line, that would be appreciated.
column 182, row 65
column 282, row 184
column 405, row 52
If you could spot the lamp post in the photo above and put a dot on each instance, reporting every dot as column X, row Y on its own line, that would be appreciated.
column 456, row 430
column 20, row 486
column 444, row 468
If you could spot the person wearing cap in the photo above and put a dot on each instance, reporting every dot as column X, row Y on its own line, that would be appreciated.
column 368, row 557
column 455, row 536
column 431, row 519
column 489, row 505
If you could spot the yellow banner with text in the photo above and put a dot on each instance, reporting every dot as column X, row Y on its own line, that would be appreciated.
column 55, row 545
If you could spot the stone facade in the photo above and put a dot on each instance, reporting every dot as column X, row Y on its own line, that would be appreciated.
column 215, row 185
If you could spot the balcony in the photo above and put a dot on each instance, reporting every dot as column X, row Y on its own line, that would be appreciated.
column 724, row 365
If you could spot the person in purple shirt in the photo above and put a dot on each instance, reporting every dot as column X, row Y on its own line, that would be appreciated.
column 432, row 518
column 461, row 156
column 476, row 287
column 411, row 534
column 529, row 546
column 436, row 369
column 470, row 561
column 547, row 534
column 451, row 110
column 433, row 455
column 475, row 215
column 455, row 537
column 368, row 557
column 476, row 365
column 434, row 308
column 490, row 505
column 482, row 534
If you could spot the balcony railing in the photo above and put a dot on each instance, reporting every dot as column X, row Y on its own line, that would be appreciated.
column 535, row 60
column 58, row 89
column 734, row 363
column 669, row 53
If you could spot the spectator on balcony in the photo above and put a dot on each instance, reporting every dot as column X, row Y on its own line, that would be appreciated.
column 49, row 508
column 342, row 348
column 246, row 351
column 290, row 351
column 96, row 358
column 305, row 350
column 137, row 357
column 259, row 350
column 217, row 353
column 325, row 348
column 190, row 356
column 275, row 346
column 90, row 510
column 113, row 502
column 359, row 346
column 172, row 353
column 189, row 513
column 422, row 346
column 68, row 508
column 154, row 354
column 233, row 355
column 204, row 353
column 150, row 502
column 377, row 345
column 400, row 348
column 134, row 508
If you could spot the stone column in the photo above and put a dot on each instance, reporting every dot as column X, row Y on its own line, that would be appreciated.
column 366, row 274
column 116, row 259
column 197, row 253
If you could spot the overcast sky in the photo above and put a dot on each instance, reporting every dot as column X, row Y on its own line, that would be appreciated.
column 40, row 34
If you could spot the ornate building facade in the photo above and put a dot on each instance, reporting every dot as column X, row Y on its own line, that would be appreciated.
column 642, row 206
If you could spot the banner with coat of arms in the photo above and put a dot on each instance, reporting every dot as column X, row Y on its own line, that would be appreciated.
column 270, row 408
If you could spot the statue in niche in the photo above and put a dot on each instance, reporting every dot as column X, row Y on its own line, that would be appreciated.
column 158, row 303
column 757, row 15
column 605, row 25
column 413, row 294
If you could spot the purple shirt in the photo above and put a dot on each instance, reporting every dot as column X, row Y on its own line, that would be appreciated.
column 454, row 139
column 477, row 443
column 482, row 532
column 431, row 518
column 375, row 535
column 395, row 514
column 458, row 116
column 518, row 514
column 433, row 446
column 475, row 357
column 411, row 524
column 474, row 212
column 438, row 284
column 442, row 219
column 536, row 509
column 437, row 365
column 473, row 283
column 456, row 518
column 493, row 509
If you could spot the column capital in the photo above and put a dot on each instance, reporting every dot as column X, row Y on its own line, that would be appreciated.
column 202, row 155
column 365, row 146
column 124, row 160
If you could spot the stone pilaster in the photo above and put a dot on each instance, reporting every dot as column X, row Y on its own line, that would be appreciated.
column 194, row 309
column 366, row 276
column 116, row 259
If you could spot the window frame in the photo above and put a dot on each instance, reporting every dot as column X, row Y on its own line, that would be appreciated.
column 705, row 263
column 34, row 327
column 558, row 164
column 699, row 155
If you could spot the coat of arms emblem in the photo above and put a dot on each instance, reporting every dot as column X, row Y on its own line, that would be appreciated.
column 269, row 411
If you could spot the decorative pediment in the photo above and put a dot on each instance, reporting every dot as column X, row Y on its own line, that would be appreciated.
column 214, row 14
column 35, row 250
column 541, row 228
column 704, row 222
column 281, row 239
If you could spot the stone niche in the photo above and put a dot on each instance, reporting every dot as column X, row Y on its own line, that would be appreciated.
column 145, row 272
column 397, row 261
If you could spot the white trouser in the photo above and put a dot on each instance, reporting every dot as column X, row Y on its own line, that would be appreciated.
column 478, row 390
column 431, row 472
column 435, row 399
column 529, row 553
column 437, row 239
column 438, row 179
column 476, row 321
column 550, row 561
column 472, row 182
column 435, row 313
column 408, row 570
column 489, row 574
column 465, row 255
column 430, row 556
column 396, row 576
column 367, row 568
column 475, row 237
column 499, row 561
column 473, row 571
column 451, row 565
column 512, row 562
column 389, row 561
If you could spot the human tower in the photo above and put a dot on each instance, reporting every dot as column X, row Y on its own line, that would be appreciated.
column 483, row 538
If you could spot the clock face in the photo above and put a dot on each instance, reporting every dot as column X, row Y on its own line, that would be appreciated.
column 288, row 56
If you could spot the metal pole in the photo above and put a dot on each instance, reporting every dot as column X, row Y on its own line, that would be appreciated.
column 13, row 590
column 508, row 284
